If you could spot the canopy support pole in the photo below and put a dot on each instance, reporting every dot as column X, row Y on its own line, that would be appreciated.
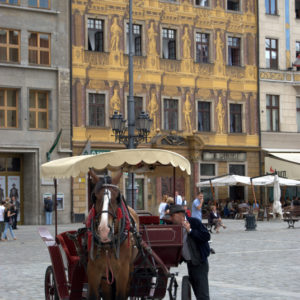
column 212, row 192
column 55, row 204
column 174, row 182
column 253, row 192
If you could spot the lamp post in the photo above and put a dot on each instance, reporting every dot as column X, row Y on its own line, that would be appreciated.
column 143, row 122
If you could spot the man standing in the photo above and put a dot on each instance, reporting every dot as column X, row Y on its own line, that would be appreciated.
column 195, row 250
column 178, row 199
column 48, row 210
column 197, row 206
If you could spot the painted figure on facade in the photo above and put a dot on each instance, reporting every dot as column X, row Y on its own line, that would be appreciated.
column 186, row 43
column 153, row 108
column 221, row 113
column 219, row 63
column 152, row 40
column 115, row 37
column 115, row 102
column 187, row 113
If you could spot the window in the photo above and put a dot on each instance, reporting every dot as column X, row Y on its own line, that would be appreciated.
column 203, row 116
column 12, row 2
column 9, row 45
column 298, row 113
column 169, row 43
column 138, row 106
column 95, row 35
column 39, row 3
column 271, row 7
column 207, row 170
column 271, row 53
column 297, row 9
column 39, row 48
column 297, row 48
column 170, row 114
column 237, row 193
column 233, row 5
column 234, row 51
column 202, row 3
column 97, row 110
column 202, row 47
column 139, row 192
column 272, row 113
column 38, row 110
column 8, row 108
column 137, row 39
column 235, row 118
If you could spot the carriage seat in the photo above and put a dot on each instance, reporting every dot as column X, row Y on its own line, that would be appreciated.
column 70, row 250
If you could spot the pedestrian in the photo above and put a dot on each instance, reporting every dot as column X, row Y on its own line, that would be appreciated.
column 215, row 219
column 178, row 198
column 48, row 203
column 195, row 250
column 15, row 206
column 197, row 206
column 8, row 214
column 170, row 202
column 2, row 209
column 162, row 208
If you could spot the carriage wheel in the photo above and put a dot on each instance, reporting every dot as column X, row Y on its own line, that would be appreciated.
column 50, row 286
column 186, row 292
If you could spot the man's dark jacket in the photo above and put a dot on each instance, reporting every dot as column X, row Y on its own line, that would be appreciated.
column 197, row 241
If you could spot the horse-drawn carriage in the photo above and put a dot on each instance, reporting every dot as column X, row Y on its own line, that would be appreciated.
column 118, row 254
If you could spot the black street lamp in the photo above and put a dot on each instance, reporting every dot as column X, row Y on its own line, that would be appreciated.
column 143, row 127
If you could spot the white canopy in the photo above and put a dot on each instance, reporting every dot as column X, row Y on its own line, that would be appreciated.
column 226, row 181
column 152, row 161
column 269, row 180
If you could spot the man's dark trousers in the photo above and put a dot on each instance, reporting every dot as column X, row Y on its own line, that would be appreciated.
column 199, row 279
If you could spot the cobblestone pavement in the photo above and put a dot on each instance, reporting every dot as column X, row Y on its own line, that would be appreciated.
column 261, row 264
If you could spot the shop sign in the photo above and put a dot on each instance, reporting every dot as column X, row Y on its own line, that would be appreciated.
column 97, row 151
column 224, row 156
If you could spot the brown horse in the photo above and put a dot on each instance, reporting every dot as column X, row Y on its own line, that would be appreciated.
column 113, row 249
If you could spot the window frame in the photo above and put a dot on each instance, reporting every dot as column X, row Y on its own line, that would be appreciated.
column 7, row 2
column 39, row 49
column 211, row 109
column 38, row 5
column 8, row 46
column 142, row 34
column 208, row 44
column 271, row 108
column 178, row 112
column 36, row 110
column 177, row 39
column 94, row 107
column 105, row 25
column 6, row 108
column 200, row 6
column 234, row 11
column 240, row 64
column 270, row 50
column 242, row 115
column 103, row 33
column 269, row 7
column 106, row 105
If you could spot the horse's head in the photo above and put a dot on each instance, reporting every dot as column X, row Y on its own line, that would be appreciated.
column 108, row 201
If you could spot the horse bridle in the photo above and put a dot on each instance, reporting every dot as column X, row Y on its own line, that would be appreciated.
column 116, row 240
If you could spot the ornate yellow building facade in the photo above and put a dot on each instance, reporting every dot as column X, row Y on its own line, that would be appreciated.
column 195, row 73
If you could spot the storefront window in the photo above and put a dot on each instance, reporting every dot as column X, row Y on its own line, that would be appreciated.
column 13, row 164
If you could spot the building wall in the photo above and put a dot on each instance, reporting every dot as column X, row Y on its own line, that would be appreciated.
column 285, row 81
column 32, row 145
column 156, row 78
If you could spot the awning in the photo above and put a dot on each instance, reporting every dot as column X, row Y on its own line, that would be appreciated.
column 226, row 180
column 287, row 165
column 269, row 180
column 150, row 161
